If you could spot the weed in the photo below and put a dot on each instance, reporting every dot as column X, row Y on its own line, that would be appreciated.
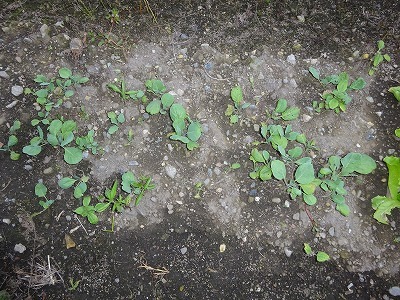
column 235, row 166
column 53, row 92
column 59, row 133
column 116, row 120
column 233, row 111
column 320, row 255
column 395, row 90
column 333, row 175
column 336, row 99
column 383, row 205
column 12, row 140
column 89, row 211
column 137, row 186
column 73, row 284
column 124, row 93
column 87, row 142
column 199, row 188
column 283, row 112
column 378, row 58
column 80, row 185
column 41, row 192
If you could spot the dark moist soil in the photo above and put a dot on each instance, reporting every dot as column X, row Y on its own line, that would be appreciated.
column 171, row 246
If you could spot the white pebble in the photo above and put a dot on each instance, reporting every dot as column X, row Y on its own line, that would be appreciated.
column 19, row 248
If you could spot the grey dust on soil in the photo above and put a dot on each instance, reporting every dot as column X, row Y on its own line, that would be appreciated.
column 241, row 238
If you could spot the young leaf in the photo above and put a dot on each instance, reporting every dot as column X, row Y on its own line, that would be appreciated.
column 322, row 256
column 343, row 208
column 381, row 45
column 66, row 182
column 393, row 165
column 72, row 155
column 257, row 156
column 265, row 173
column 234, row 119
column 190, row 146
column 281, row 106
column 80, row 189
column 383, row 207
column 278, row 169
column 235, row 166
column 309, row 199
column 65, row 73
column 314, row 72
column 121, row 118
column 153, row 107
column 127, row 179
column 395, row 90
column 295, row 152
column 343, row 82
column 177, row 112
column 180, row 138
column 237, row 95
column 194, row 131
column 304, row 173
column 32, row 150
column 100, row 207
column 113, row 129
column 40, row 190
column 12, row 141
column 358, row 84
column 14, row 155
column 92, row 218
column 167, row 100
column 69, row 93
column 291, row 113
column 179, row 126
column 357, row 162
column 307, row 249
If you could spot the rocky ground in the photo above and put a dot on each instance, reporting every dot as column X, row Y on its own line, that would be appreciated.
column 206, row 230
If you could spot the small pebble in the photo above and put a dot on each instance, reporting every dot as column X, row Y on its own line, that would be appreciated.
column 288, row 252
column 3, row 74
column 17, row 90
column 394, row 291
column 171, row 171
column 184, row 250
column 276, row 200
column 291, row 59
column 331, row 231
column 49, row 170
column 19, row 248
column 296, row 216
column 6, row 221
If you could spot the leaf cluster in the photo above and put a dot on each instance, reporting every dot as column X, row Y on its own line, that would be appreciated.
column 87, row 142
column 80, row 185
column 124, row 93
column 378, row 58
column 233, row 111
column 116, row 120
column 283, row 112
column 136, row 186
column 320, row 255
column 336, row 99
column 41, row 192
column 383, row 205
column 12, row 140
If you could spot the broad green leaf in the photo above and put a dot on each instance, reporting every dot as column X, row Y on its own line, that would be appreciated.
column 92, row 218
column 307, row 249
column 265, row 173
column 153, row 107
column 229, row 110
column 42, row 93
column 180, row 138
column 69, row 93
column 393, row 165
column 235, row 166
column 167, row 100
column 395, row 90
column 357, row 162
column 333, row 103
column 194, row 131
column 66, row 182
column 303, row 160
column 246, row 105
column 294, row 192
column 383, row 207
column 325, row 171
column 191, row 145
column 281, row 106
column 80, row 189
column 334, row 162
column 378, row 58
column 127, row 179
column 121, row 118
column 257, row 156
column 386, row 57
column 304, row 173
column 234, row 119
column 381, row 45
column 113, row 129
column 16, row 126
column 254, row 175
column 14, row 155
column 343, row 82
column 237, row 95
column 291, row 113
column 32, row 150
column 68, row 126
column 68, row 137
column 41, row 79
column 155, row 86
column 309, row 188
column 46, row 204
column 179, row 126
column 295, row 152
column 177, row 112
column 82, row 80
column 52, row 139
column 338, row 199
column 278, row 169
column 343, row 208
column 322, row 256
column 314, row 72
column 55, row 126
column 265, row 154
column 40, row 190
column 309, row 199
column 12, row 141
column 34, row 122
column 65, row 73
column 100, row 207
column 72, row 155
column 358, row 84
column 301, row 138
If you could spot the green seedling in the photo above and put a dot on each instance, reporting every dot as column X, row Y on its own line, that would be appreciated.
column 337, row 99
column 12, row 140
column 53, row 92
column 113, row 16
column 80, row 185
column 89, row 211
column 395, row 90
column 378, row 58
column 124, row 93
column 199, row 190
column 155, row 86
column 320, row 255
column 333, row 175
column 60, row 133
column 383, row 205
column 41, row 191
column 116, row 120
column 117, row 203
column 160, row 105
column 233, row 111
column 73, row 284
column 87, row 142
column 235, row 166
column 283, row 112
column 136, row 186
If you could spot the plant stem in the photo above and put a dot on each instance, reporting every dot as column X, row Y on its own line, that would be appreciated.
column 143, row 189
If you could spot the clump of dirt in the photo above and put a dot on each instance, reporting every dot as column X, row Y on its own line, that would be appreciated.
column 207, row 230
